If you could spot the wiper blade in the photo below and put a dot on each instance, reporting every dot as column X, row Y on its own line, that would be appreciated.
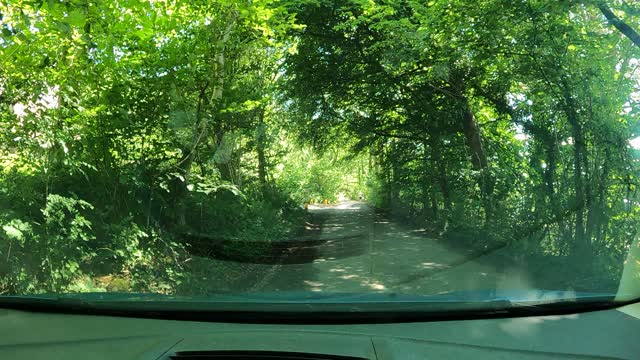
column 308, row 300
column 501, row 298
column 430, row 308
column 303, row 313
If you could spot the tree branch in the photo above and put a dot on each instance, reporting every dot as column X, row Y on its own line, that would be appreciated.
column 619, row 24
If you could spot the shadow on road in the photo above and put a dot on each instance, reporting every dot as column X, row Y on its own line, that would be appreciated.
column 311, row 245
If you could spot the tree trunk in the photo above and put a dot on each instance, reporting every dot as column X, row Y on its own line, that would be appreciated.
column 260, row 147
column 201, row 132
column 579, row 164
column 478, row 159
column 623, row 27
column 440, row 171
column 429, row 200
column 472, row 135
column 578, row 181
column 550, row 174
column 597, row 212
column 394, row 190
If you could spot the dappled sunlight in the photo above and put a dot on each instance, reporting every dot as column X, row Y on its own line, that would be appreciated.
column 349, row 277
column 377, row 286
column 313, row 283
column 431, row 265
column 391, row 254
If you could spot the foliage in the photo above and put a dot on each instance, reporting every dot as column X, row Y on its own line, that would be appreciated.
column 128, row 126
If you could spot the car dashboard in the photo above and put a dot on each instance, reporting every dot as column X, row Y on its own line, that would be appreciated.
column 611, row 334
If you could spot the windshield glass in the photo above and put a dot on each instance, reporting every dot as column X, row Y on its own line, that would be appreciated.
column 307, row 150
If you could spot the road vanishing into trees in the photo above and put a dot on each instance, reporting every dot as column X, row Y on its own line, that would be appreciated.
column 362, row 251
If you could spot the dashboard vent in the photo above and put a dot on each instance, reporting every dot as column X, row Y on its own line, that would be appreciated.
column 255, row 355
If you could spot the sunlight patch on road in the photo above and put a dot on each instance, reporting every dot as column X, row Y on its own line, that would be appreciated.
column 377, row 286
column 349, row 277
column 349, row 205
column 432, row 265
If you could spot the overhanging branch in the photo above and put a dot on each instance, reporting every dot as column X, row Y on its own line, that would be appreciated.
column 619, row 24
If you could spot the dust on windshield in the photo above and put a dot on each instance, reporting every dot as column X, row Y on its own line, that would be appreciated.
column 298, row 146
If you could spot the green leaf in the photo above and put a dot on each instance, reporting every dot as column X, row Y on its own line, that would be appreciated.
column 63, row 27
column 6, row 33
column 13, row 232
column 76, row 18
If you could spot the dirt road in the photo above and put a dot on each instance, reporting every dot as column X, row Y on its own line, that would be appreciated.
column 368, row 253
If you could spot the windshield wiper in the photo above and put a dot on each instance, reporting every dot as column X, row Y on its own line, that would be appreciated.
column 341, row 308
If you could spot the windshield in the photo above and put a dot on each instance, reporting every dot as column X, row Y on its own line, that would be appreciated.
column 301, row 150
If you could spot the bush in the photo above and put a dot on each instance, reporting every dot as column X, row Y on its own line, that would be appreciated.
column 45, row 253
